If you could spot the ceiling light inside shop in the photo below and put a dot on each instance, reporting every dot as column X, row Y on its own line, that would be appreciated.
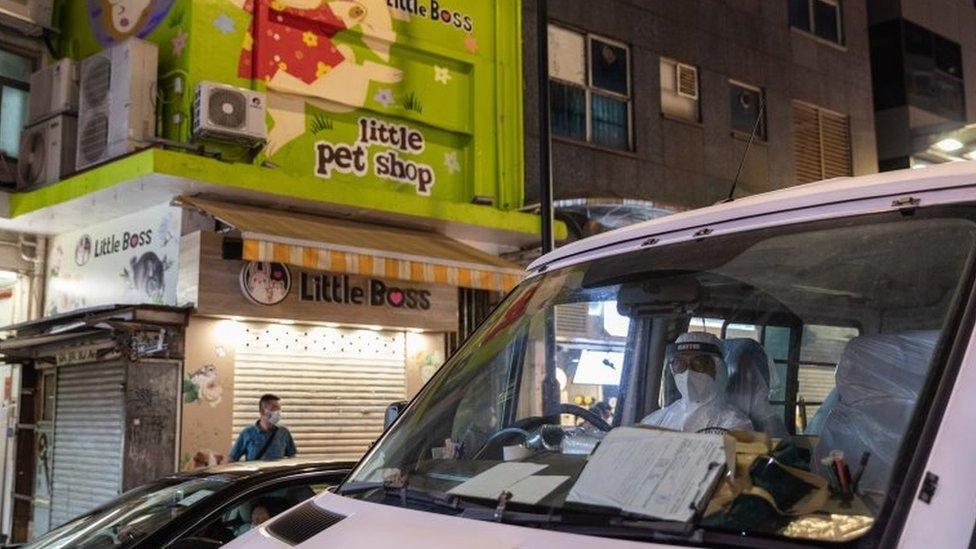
column 374, row 328
column 415, row 330
column 949, row 145
column 286, row 322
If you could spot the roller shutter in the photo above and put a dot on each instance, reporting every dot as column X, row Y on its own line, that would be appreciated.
column 821, row 143
column 88, row 439
column 334, row 383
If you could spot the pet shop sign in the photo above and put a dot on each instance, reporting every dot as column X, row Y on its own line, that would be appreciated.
column 396, row 143
column 128, row 260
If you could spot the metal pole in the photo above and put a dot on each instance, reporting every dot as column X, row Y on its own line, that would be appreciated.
column 545, row 153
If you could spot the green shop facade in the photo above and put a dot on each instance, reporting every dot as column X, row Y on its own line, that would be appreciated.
column 353, row 148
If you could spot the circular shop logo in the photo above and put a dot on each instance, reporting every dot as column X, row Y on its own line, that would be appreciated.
column 83, row 250
column 265, row 283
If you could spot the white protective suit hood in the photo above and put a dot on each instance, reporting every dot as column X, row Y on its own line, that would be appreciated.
column 702, row 403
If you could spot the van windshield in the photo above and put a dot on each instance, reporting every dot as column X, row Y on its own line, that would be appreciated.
column 759, row 382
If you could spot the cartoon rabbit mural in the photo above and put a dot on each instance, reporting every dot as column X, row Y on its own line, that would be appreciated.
column 294, row 53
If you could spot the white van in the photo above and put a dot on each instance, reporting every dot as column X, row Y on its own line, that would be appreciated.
column 843, row 316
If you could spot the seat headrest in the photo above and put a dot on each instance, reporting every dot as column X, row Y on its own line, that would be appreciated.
column 744, row 354
column 885, row 366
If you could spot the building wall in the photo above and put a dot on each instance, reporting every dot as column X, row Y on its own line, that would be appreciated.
column 691, row 165
column 953, row 19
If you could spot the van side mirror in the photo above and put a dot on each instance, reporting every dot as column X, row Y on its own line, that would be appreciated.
column 393, row 411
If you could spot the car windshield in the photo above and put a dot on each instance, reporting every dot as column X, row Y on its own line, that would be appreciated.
column 133, row 516
column 598, row 393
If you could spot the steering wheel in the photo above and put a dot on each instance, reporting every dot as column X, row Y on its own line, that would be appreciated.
column 498, row 436
column 524, row 425
column 534, row 422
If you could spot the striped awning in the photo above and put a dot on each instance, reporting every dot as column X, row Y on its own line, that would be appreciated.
column 351, row 247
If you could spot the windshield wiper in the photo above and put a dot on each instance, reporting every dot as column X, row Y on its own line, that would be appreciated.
column 563, row 520
column 405, row 493
column 588, row 523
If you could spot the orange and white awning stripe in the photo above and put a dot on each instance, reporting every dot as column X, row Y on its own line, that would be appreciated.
column 381, row 265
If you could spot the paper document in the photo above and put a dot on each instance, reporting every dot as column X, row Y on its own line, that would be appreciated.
column 532, row 490
column 494, row 481
column 652, row 473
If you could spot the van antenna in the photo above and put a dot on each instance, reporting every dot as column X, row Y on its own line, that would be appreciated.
column 752, row 137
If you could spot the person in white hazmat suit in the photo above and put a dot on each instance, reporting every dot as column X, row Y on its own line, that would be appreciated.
column 700, row 373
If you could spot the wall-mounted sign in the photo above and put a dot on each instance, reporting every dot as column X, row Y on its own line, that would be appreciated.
column 129, row 260
column 390, row 163
column 270, row 284
column 265, row 283
column 315, row 296
column 78, row 355
column 340, row 289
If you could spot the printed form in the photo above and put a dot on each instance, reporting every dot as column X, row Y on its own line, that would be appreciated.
column 648, row 472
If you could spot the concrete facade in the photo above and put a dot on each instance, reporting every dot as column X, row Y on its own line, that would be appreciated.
column 905, row 132
column 678, row 164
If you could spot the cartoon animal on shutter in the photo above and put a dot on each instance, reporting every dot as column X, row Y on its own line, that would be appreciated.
column 293, row 52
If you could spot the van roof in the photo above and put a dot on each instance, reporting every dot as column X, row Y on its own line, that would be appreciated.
column 830, row 191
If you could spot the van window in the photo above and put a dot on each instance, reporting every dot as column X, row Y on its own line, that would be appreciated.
column 711, row 337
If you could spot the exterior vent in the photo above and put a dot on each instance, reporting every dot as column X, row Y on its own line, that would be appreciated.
column 227, row 113
column 47, row 151
column 687, row 78
column 94, row 138
column 98, row 80
column 302, row 523
column 118, row 93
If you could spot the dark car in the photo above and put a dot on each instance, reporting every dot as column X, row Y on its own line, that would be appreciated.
column 204, row 508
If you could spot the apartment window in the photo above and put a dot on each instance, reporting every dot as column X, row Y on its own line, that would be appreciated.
column 589, row 88
column 818, row 17
column 679, row 90
column 746, row 106
column 15, row 71
column 821, row 143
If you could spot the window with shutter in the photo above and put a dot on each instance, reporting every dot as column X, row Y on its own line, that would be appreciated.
column 821, row 143
column 687, row 81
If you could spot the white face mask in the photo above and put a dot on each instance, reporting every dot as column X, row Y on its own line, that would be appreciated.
column 694, row 386
column 274, row 417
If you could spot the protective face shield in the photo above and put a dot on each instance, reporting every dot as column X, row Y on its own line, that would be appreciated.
column 695, row 361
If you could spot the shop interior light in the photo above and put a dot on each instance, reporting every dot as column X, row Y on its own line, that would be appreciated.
column 374, row 328
column 949, row 144
column 415, row 330
column 331, row 325
column 286, row 322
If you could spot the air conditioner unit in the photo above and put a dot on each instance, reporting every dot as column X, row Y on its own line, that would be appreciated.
column 687, row 78
column 47, row 151
column 27, row 13
column 117, row 101
column 54, row 90
column 228, row 113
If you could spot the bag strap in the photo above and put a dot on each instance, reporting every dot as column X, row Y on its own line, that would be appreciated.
column 267, row 444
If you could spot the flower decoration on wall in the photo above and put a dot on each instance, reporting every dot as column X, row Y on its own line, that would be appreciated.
column 224, row 24
column 442, row 74
column 451, row 162
column 179, row 42
column 384, row 97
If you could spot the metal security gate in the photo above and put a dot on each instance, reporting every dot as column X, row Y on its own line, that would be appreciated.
column 334, row 383
column 88, row 441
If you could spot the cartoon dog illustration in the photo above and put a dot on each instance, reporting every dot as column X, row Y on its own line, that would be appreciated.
column 304, row 66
